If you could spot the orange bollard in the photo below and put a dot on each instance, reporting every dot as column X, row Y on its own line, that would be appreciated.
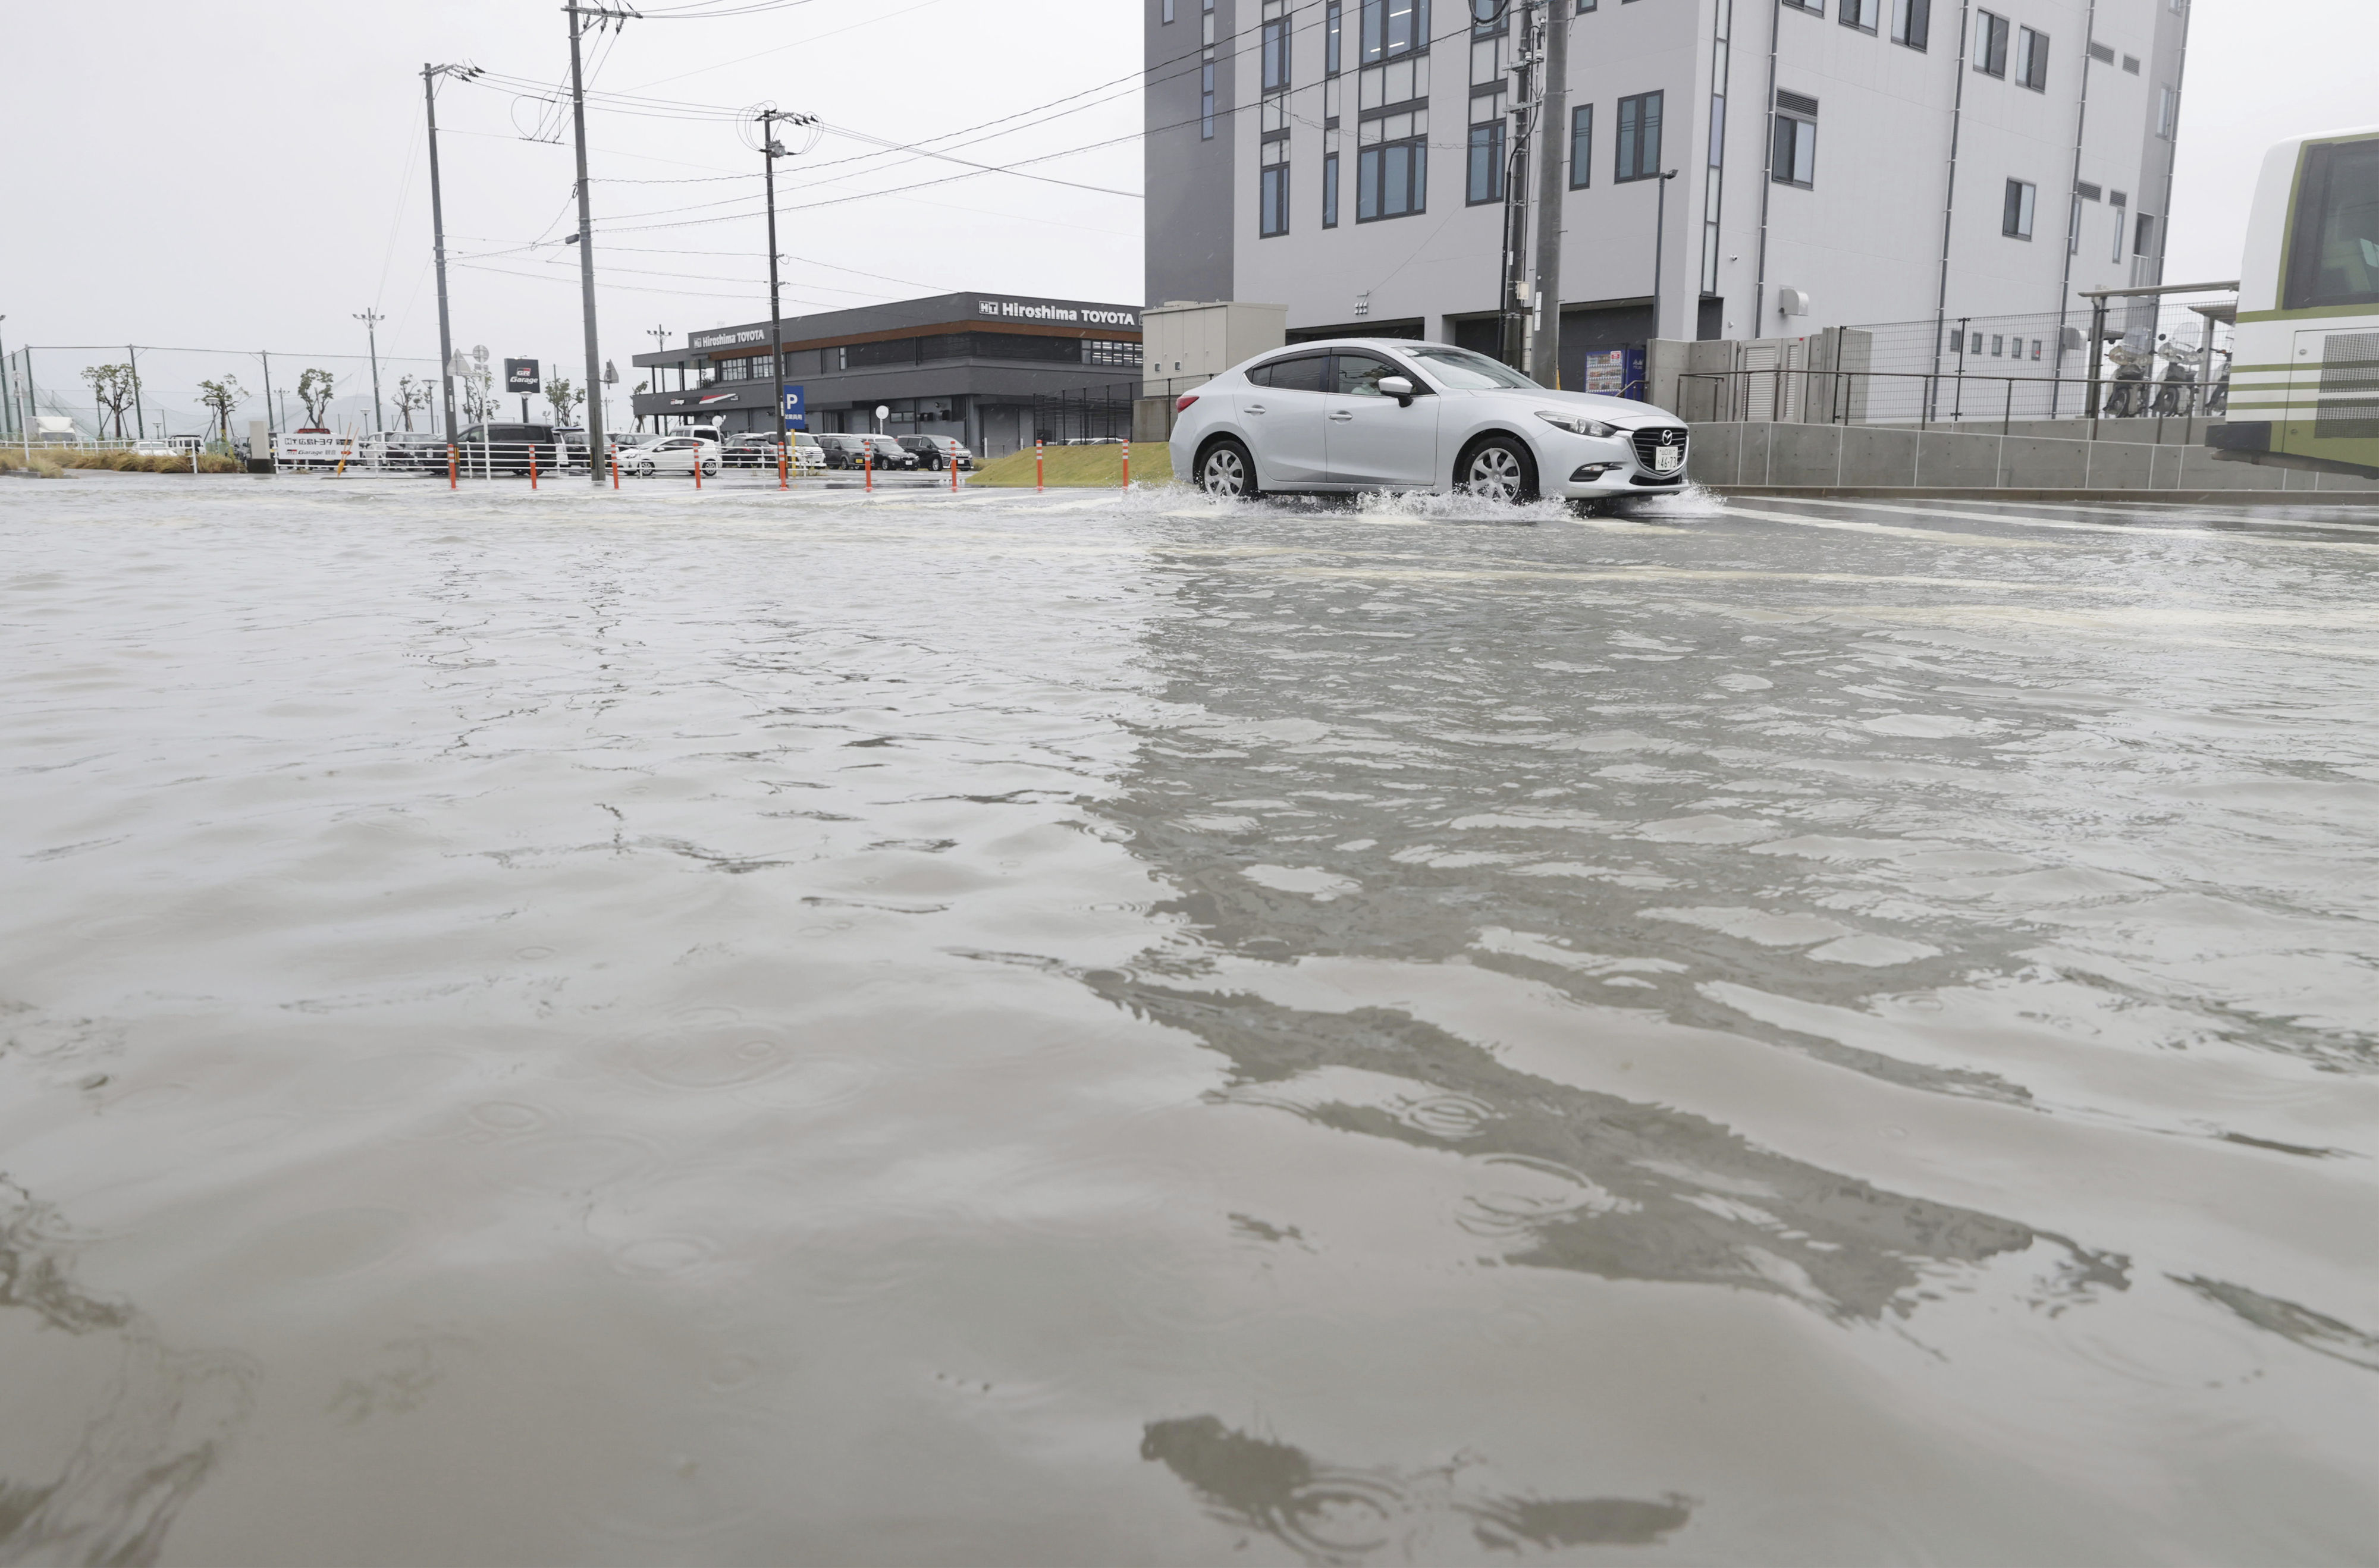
column 1127, row 463
column 532, row 465
column 782, row 483
column 954, row 466
column 451, row 467
column 1039, row 453
column 615, row 467
column 697, row 467
column 867, row 466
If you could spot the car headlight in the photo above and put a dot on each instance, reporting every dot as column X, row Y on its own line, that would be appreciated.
column 1577, row 424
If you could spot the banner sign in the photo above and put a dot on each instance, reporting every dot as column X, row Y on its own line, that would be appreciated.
column 793, row 416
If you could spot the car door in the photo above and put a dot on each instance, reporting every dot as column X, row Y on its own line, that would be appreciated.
column 1282, row 415
column 1373, row 440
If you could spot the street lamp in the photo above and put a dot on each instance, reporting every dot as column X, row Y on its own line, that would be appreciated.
column 1659, row 238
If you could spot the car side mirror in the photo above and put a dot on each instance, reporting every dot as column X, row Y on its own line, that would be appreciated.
column 1398, row 387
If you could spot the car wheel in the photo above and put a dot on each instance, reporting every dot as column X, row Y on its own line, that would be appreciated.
column 1499, row 468
column 1227, row 472
column 644, row 470
column 710, row 469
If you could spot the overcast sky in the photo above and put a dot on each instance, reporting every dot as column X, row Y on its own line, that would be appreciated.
column 248, row 173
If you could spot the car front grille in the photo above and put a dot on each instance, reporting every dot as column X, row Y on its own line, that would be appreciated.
column 1651, row 438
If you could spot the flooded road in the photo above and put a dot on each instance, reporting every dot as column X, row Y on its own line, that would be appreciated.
column 998, row 1028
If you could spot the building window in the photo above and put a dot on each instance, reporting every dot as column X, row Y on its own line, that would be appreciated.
column 1276, row 55
column 1392, row 178
column 1168, row 10
column 1912, row 22
column 1392, row 28
column 1272, row 200
column 1639, row 142
column 1206, row 102
column 1815, row 7
column 1581, row 147
column 2118, row 201
column 1103, row 350
column 2144, row 235
column 2032, row 59
column 2132, row 64
column 1990, row 44
column 1860, row 14
column 734, row 369
column 2168, row 112
column 1796, row 139
column 1330, row 191
column 2103, row 53
column 2015, row 217
column 1331, row 20
column 1486, row 161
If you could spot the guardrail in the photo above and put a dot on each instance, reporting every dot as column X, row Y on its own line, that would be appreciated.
column 1947, row 399
column 662, row 458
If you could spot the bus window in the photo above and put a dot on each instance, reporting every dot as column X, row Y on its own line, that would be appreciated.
column 2334, row 242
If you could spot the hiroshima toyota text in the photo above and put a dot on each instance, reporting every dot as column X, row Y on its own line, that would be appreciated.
column 1375, row 413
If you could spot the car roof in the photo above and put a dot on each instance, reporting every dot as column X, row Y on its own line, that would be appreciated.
column 1392, row 345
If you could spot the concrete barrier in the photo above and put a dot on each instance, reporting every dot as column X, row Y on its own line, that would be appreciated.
column 2042, row 458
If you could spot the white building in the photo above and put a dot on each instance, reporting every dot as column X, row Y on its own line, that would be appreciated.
column 1855, row 162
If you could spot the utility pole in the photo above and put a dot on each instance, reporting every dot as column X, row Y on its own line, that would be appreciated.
column 660, row 374
column 7, row 393
column 430, row 74
column 140, row 420
column 1515, row 291
column 371, row 321
column 1553, row 166
column 770, row 151
column 586, row 242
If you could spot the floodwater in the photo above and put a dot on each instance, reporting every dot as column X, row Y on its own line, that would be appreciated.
column 651, row 1028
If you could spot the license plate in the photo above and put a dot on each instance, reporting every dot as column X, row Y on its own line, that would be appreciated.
column 1665, row 459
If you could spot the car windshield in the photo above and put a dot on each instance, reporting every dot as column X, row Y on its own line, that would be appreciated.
column 1466, row 372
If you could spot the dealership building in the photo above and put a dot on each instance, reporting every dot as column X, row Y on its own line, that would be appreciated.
column 993, row 371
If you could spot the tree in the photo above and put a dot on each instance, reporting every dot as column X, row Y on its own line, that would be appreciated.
column 561, row 398
column 478, row 394
column 314, row 390
column 222, row 397
column 115, row 387
column 411, row 397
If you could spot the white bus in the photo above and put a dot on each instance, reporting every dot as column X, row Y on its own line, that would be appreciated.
column 2304, row 375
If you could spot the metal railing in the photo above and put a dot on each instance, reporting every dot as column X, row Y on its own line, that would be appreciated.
column 1949, row 400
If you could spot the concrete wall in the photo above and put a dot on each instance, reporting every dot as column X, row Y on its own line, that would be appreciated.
column 1885, row 457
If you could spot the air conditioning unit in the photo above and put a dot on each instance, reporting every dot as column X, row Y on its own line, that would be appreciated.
column 1793, row 301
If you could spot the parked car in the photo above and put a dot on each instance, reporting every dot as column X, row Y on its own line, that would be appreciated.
column 856, row 450
column 507, row 449
column 1367, row 414
column 934, row 452
column 671, row 455
column 890, row 454
column 406, row 451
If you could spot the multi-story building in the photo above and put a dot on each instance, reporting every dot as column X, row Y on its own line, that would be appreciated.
column 1838, row 161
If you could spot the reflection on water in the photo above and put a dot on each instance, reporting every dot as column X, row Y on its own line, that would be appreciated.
column 1014, row 1030
column 1332, row 1515
column 158, row 1421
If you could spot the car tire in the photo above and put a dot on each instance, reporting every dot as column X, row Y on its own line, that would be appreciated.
column 1227, row 472
column 710, row 469
column 644, row 470
column 1498, row 468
